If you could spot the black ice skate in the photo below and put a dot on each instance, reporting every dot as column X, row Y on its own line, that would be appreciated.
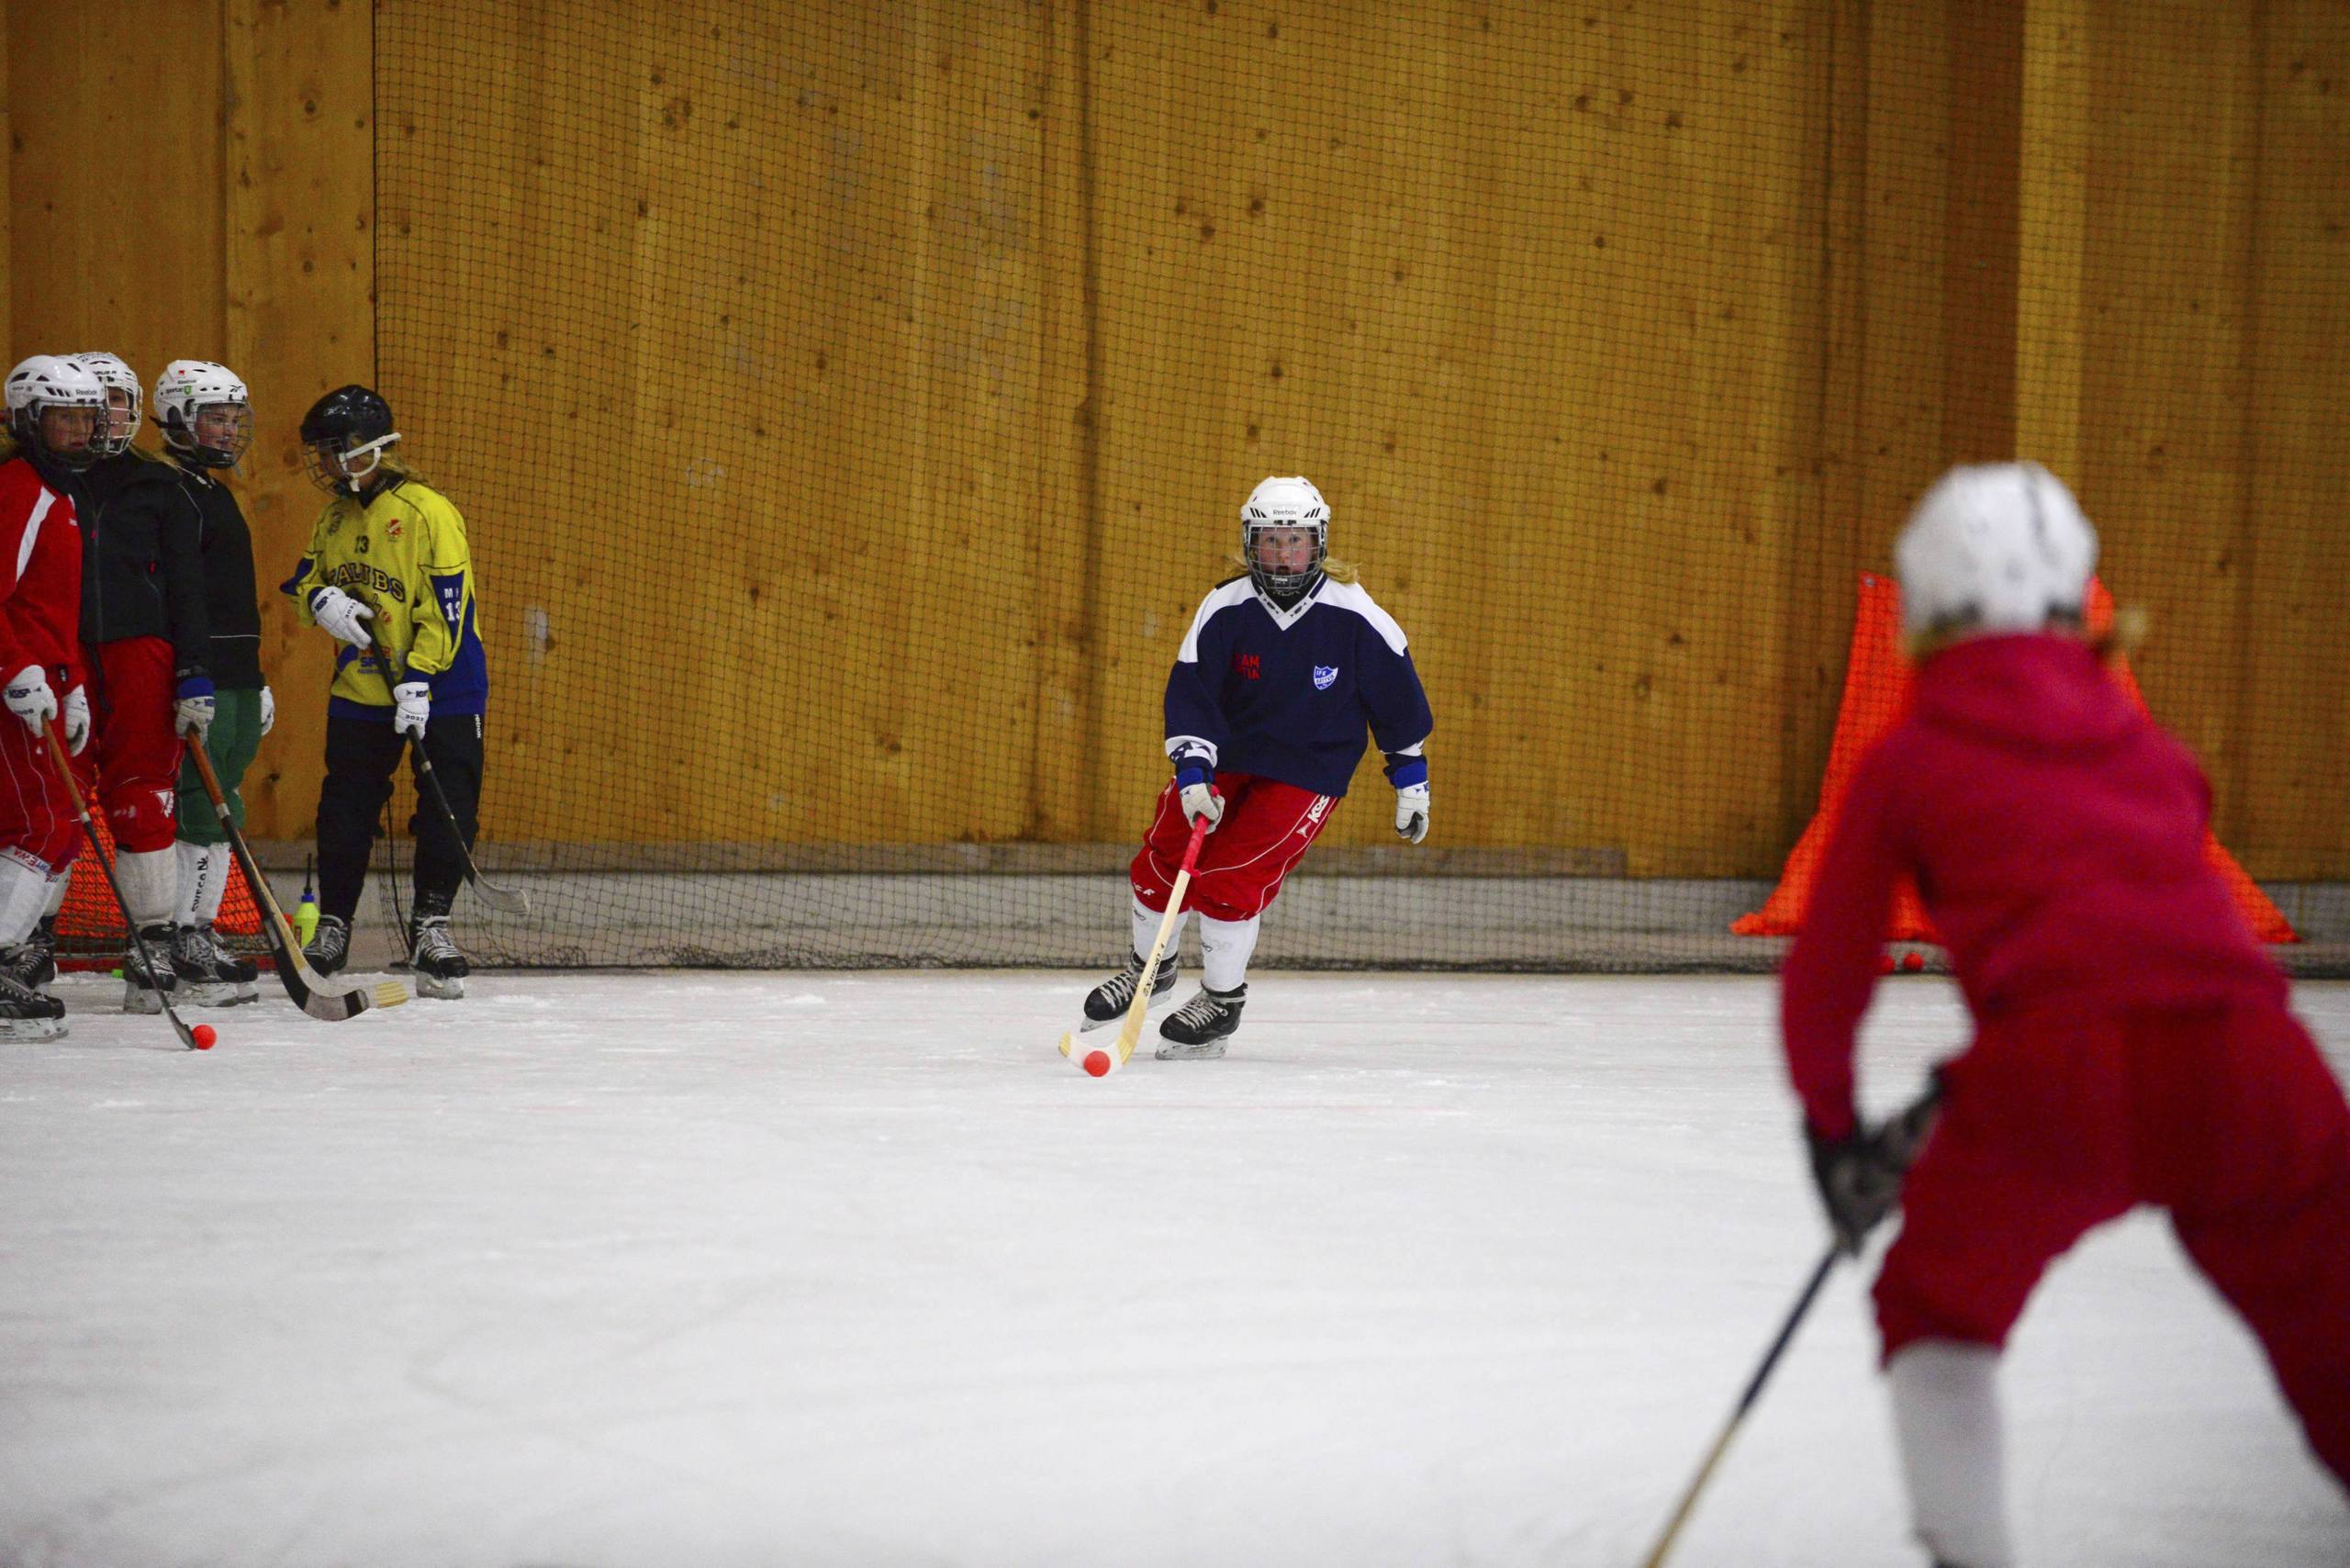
column 33, row 963
column 1107, row 1003
column 328, row 948
column 142, row 988
column 209, row 975
column 434, row 956
column 1197, row 1030
column 26, row 1015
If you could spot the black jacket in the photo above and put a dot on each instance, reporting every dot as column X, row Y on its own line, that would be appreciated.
column 141, row 573
column 231, row 603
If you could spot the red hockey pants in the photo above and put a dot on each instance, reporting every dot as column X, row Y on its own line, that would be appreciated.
column 1267, row 828
column 37, row 828
column 2059, row 1120
column 132, row 763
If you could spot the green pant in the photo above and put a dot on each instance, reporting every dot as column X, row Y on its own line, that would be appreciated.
column 230, row 743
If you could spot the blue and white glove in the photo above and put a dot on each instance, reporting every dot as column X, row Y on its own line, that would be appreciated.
column 1412, row 812
column 29, row 698
column 1195, row 790
column 411, row 706
column 343, row 617
column 192, row 705
column 77, row 721
column 268, row 710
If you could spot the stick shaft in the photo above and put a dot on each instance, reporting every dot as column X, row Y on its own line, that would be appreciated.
column 1130, row 1032
column 1914, row 1123
column 496, row 897
column 64, row 766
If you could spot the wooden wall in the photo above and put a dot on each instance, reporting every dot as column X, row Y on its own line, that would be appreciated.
column 1621, row 338
column 188, row 179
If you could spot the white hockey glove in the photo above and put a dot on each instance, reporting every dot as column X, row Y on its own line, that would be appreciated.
column 77, row 721
column 268, row 710
column 1201, row 801
column 343, row 617
column 29, row 698
column 411, row 706
column 192, row 706
column 1412, row 812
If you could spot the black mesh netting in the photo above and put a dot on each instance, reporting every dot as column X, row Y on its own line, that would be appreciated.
column 850, row 403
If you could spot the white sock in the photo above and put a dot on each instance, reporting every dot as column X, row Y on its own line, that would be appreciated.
column 1946, row 1416
column 1145, row 923
column 24, row 891
column 149, row 879
column 203, row 878
column 57, row 886
column 1224, row 947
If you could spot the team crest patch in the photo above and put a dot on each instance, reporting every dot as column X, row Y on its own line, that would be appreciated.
column 1325, row 676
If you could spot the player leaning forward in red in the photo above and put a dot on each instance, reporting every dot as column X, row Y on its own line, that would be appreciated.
column 1282, row 671
column 2131, row 1042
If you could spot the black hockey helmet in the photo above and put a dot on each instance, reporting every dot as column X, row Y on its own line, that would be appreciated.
column 345, row 433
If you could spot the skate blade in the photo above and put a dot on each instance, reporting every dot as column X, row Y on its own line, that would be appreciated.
column 1207, row 1050
column 439, row 989
column 137, row 998
column 228, row 993
column 29, row 1029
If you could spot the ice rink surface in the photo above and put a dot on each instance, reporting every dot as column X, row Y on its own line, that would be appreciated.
column 611, row 1270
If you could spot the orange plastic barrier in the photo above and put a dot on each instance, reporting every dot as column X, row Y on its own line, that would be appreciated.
column 1877, row 693
column 89, row 922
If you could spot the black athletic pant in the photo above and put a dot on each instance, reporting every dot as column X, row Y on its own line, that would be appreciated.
column 361, row 755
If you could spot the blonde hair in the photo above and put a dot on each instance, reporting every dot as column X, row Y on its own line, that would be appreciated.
column 1338, row 571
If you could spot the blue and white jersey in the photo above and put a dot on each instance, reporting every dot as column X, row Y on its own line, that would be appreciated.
column 1286, row 694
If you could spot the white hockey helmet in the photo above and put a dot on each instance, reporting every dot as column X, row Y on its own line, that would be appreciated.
column 49, row 381
column 115, row 376
column 186, row 391
column 1284, row 502
column 1994, row 547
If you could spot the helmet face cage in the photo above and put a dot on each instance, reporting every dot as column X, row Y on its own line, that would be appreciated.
column 123, row 401
column 44, row 383
column 203, row 413
column 348, row 425
column 218, row 435
column 335, row 462
column 1284, row 581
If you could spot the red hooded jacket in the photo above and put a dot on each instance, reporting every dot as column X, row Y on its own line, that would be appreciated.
column 2056, row 835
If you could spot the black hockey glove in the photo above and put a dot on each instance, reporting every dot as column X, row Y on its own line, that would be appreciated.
column 1859, row 1175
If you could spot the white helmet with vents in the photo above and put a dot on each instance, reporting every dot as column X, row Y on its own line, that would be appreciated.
column 1281, row 566
column 205, row 411
column 120, row 381
column 48, row 381
column 1994, row 547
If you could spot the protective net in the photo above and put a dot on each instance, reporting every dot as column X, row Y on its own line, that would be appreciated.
column 851, row 403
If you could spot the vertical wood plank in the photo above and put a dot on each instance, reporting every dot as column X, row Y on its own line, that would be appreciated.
column 8, row 201
column 2292, row 705
column 2165, row 389
column 301, row 320
column 114, row 221
column 1062, row 804
column 2052, row 227
column 1985, row 122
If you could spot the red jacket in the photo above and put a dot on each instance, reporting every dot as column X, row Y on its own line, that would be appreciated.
column 2056, row 835
column 40, row 578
